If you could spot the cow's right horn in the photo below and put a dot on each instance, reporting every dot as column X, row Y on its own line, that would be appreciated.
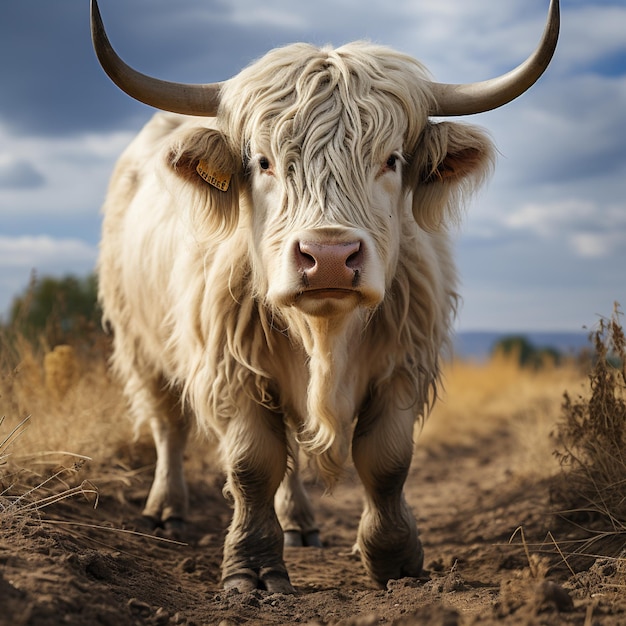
column 490, row 94
column 161, row 94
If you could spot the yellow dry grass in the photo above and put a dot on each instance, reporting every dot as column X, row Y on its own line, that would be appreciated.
column 481, row 398
column 59, row 409
column 74, row 407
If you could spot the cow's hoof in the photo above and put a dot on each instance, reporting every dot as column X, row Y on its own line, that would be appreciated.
column 296, row 539
column 390, row 564
column 150, row 523
column 411, row 567
column 172, row 528
column 244, row 581
column 275, row 581
column 268, row 579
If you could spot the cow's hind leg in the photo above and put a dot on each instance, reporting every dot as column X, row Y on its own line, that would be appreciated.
column 294, row 510
column 255, row 452
column 388, row 539
column 154, row 402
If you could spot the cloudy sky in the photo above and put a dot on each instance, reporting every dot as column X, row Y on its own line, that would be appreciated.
column 542, row 248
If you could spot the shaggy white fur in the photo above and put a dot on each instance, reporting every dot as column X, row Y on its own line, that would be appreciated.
column 208, row 305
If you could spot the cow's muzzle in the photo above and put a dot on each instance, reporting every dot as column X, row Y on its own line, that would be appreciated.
column 329, row 268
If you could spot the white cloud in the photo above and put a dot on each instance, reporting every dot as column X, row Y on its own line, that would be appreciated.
column 593, row 32
column 593, row 245
column 270, row 13
column 548, row 220
column 68, row 174
column 44, row 252
column 590, row 230
column 464, row 41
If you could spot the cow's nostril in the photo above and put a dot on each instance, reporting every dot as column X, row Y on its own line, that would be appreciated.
column 342, row 254
column 306, row 261
column 355, row 260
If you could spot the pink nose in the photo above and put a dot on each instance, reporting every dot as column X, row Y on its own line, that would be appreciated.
column 330, row 265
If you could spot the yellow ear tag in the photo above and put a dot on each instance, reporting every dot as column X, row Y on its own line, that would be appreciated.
column 218, row 180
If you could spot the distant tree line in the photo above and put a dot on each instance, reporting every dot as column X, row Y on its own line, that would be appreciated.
column 60, row 310
column 526, row 354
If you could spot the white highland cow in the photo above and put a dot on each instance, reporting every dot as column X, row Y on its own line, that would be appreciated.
column 277, row 270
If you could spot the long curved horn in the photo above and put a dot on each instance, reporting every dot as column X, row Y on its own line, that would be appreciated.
column 162, row 94
column 490, row 94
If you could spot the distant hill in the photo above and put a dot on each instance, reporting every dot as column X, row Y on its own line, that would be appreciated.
column 478, row 344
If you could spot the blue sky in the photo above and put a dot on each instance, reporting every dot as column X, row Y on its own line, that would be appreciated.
column 543, row 247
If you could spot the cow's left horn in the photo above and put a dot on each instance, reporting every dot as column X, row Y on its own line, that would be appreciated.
column 490, row 94
column 162, row 94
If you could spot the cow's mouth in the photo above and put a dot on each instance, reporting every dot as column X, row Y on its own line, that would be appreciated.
column 328, row 302
column 329, row 292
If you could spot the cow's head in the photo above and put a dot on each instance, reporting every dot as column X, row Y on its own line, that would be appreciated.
column 334, row 145
column 331, row 152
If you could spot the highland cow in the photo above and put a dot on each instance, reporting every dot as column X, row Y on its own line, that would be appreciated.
column 277, row 270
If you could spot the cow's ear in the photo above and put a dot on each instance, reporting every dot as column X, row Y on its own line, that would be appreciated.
column 204, row 159
column 449, row 162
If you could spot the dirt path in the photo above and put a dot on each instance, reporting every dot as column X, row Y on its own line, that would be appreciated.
column 468, row 501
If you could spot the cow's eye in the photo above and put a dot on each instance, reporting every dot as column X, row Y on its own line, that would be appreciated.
column 391, row 163
column 264, row 163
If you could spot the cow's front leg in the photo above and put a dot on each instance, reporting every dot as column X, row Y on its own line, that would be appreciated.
column 388, row 538
column 255, row 451
column 295, row 511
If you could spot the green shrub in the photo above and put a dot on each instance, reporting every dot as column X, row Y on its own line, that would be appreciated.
column 59, row 310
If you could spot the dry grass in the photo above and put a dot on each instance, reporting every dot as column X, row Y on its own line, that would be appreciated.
column 70, row 399
column 484, row 398
column 62, row 420
column 591, row 445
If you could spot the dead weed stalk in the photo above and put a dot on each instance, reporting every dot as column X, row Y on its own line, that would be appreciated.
column 19, row 503
column 591, row 445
